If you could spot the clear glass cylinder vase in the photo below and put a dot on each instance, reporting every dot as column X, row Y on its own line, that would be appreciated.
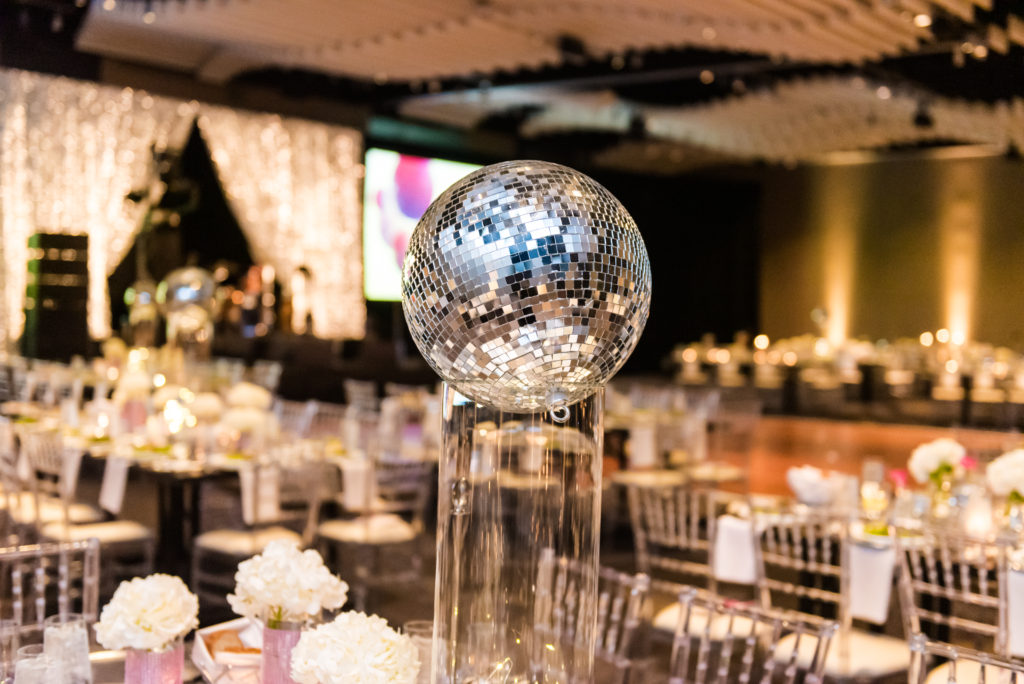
column 517, row 546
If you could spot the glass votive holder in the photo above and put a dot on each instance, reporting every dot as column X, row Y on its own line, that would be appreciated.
column 33, row 666
column 422, row 634
column 66, row 640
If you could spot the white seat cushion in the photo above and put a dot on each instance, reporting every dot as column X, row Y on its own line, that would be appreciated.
column 667, row 619
column 868, row 655
column 968, row 672
column 383, row 528
column 245, row 542
column 51, row 510
column 107, row 532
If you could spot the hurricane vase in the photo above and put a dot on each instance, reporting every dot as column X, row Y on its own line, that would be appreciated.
column 155, row 667
column 276, row 659
column 518, row 514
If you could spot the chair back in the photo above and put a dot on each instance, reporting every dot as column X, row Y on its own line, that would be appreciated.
column 41, row 580
column 53, row 469
column 277, row 493
column 802, row 560
column 361, row 393
column 965, row 665
column 403, row 487
column 327, row 420
column 673, row 526
column 11, row 484
column 745, row 649
column 295, row 417
column 955, row 588
column 559, row 611
column 266, row 374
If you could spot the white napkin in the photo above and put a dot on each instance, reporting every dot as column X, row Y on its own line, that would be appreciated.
column 871, row 570
column 1015, row 610
column 357, row 484
column 643, row 447
column 70, row 466
column 69, row 412
column 115, row 479
column 734, row 551
column 260, row 494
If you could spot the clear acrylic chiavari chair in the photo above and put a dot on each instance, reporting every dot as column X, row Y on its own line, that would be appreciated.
column 380, row 543
column 620, row 610
column 40, row 580
column 749, row 648
column 955, row 591
column 673, row 526
column 806, row 567
column 963, row 666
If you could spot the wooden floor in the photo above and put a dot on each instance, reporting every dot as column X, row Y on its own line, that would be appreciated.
column 781, row 442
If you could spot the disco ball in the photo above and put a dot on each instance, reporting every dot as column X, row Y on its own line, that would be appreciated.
column 186, row 287
column 526, row 285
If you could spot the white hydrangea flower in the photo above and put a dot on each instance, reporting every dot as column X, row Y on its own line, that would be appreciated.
column 285, row 584
column 207, row 406
column 148, row 613
column 133, row 385
column 249, row 420
column 929, row 457
column 249, row 395
column 355, row 649
column 1005, row 475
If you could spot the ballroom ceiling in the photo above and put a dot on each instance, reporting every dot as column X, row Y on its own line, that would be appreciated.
column 671, row 83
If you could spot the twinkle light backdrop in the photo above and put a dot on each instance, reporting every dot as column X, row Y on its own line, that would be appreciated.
column 70, row 152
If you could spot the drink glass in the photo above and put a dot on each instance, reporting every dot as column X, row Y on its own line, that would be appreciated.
column 33, row 666
column 66, row 640
column 422, row 634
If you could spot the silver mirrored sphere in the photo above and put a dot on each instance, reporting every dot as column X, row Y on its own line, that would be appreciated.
column 526, row 285
column 189, row 286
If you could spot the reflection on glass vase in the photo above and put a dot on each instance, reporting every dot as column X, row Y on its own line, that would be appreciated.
column 155, row 667
column 519, row 495
column 279, row 638
column 943, row 498
column 1012, row 520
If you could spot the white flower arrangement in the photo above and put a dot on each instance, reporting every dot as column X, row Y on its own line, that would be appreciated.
column 249, row 420
column 936, row 459
column 148, row 613
column 133, row 385
column 355, row 649
column 812, row 486
column 246, row 394
column 284, row 584
column 164, row 395
column 207, row 406
column 1005, row 475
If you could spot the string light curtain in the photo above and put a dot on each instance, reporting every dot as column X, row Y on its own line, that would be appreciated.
column 70, row 152
column 294, row 188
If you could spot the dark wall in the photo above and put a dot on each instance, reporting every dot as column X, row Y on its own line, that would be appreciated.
column 702, row 238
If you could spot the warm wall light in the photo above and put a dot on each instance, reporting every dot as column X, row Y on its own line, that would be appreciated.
column 927, row 339
column 960, row 223
column 942, row 336
column 842, row 199
column 761, row 342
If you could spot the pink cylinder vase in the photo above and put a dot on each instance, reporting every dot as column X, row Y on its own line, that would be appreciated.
column 155, row 667
column 276, row 661
column 134, row 414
